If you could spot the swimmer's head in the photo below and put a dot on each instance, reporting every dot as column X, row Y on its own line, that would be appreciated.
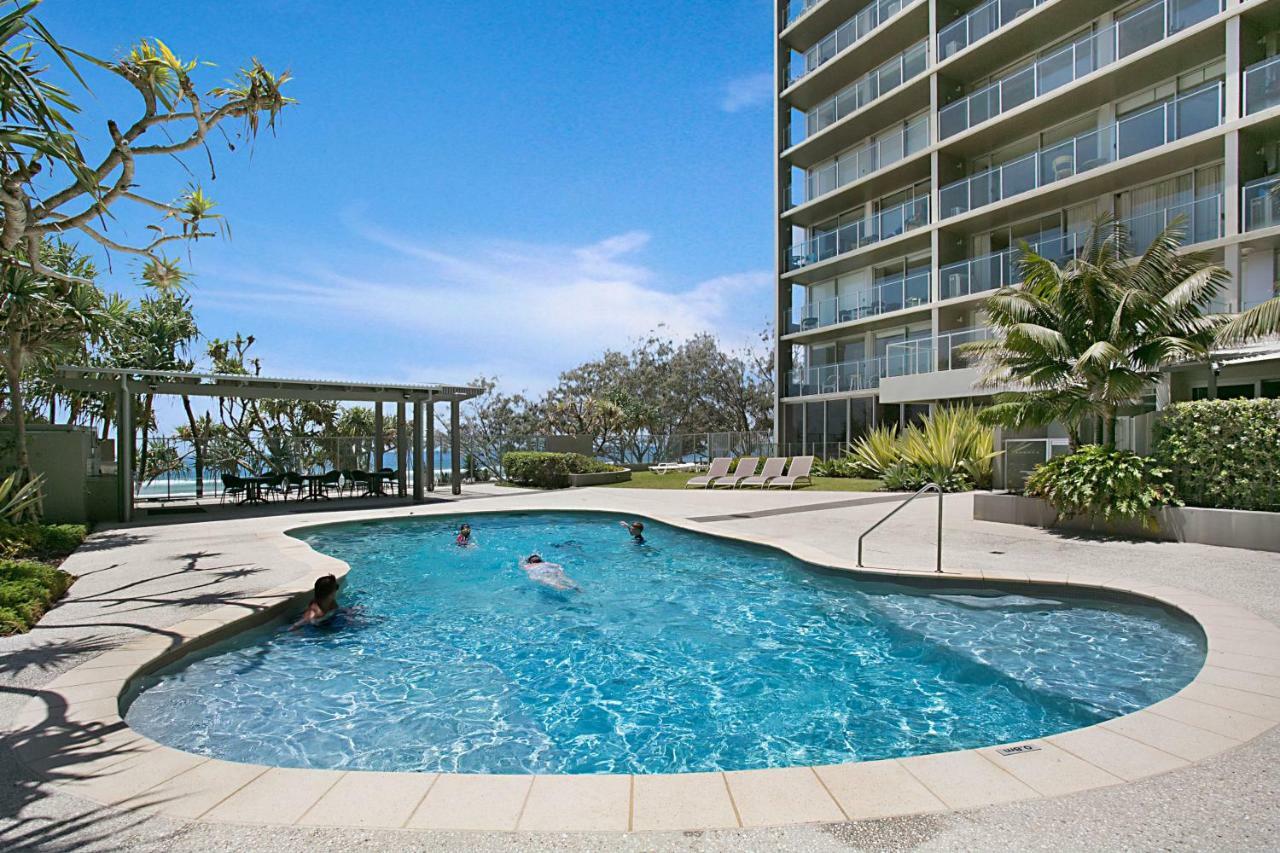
column 534, row 558
column 326, row 587
column 637, row 527
column 466, row 528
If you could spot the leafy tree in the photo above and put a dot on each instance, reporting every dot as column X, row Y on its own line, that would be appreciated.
column 1084, row 339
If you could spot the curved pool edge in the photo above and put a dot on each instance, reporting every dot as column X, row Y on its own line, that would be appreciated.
column 73, row 735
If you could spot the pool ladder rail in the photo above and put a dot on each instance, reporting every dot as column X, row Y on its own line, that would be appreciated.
column 928, row 487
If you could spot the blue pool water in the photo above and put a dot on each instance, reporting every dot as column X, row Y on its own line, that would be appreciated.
column 687, row 653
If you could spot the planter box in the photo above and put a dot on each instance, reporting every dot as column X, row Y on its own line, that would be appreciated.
column 1228, row 528
column 577, row 480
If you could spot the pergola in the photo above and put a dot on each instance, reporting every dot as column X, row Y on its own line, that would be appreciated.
column 127, row 382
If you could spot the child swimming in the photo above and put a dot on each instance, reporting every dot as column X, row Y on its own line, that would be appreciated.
column 464, row 536
column 636, row 529
column 548, row 574
column 323, row 606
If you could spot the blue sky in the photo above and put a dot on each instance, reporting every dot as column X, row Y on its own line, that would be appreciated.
column 490, row 187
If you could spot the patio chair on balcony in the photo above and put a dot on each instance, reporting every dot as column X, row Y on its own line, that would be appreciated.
column 799, row 470
column 746, row 468
column 808, row 323
column 719, row 468
column 773, row 467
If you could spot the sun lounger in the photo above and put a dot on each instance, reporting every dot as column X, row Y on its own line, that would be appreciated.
column 746, row 468
column 669, row 467
column 799, row 470
column 772, row 468
column 719, row 468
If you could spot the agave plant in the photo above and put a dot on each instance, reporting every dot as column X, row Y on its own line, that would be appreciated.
column 20, row 503
column 877, row 451
column 951, row 443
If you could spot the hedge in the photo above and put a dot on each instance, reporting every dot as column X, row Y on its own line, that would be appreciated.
column 549, row 470
column 27, row 589
column 1222, row 453
column 40, row 541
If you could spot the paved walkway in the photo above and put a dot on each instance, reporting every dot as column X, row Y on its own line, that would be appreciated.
column 141, row 581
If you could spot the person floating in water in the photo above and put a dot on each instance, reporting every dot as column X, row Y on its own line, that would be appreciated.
column 464, row 536
column 636, row 529
column 323, row 606
column 548, row 574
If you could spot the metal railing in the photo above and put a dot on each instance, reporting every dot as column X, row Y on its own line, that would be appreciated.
column 930, row 355
column 928, row 487
column 1262, row 85
column 980, row 23
column 875, row 83
column 1128, row 35
column 867, row 19
column 877, row 154
column 1159, row 125
column 1001, row 269
column 1261, row 200
column 883, row 225
column 1201, row 222
column 861, row 375
column 909, row 292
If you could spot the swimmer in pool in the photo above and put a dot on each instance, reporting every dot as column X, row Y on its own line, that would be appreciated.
column 464, row 536
column 323, row 606
column 548, row 574
column 636, row 529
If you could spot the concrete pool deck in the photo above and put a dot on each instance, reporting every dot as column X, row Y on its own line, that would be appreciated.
column 146, row 591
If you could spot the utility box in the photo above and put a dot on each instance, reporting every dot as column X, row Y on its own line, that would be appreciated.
column 67, row 457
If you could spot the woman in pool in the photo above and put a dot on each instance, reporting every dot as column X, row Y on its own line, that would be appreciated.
column 464, row 536
column 548, row 574
column 323, row 606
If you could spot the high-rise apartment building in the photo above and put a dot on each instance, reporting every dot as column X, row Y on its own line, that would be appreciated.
column 921, row 142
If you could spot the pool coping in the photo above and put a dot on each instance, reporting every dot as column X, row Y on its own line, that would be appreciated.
column 74, row 737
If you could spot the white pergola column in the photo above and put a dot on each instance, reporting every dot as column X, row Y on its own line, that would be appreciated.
column 455, row 446
column 402, row 451
column 377, row 437
column 431, row 446
column 417, row 452
column 124, row 451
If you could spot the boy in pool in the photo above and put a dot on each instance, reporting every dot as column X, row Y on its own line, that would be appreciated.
column 548, row 574
column 636, row 529
column 323, row 605
column 464, row 536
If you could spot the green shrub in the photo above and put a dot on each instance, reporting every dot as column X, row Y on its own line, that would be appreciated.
column 27, row 589
column 40, row 541
column 1222, row 453
column 951, row 448
column 1097, row 482
column 549, row 470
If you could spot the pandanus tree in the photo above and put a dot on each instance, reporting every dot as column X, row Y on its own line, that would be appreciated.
column 1084, row 339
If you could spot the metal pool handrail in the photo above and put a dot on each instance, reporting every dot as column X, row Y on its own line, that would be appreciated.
column 927, row 487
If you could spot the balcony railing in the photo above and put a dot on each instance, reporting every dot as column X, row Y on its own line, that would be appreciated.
column 868, row 18
column 872, row 157
column 880, row 81
column 1126, row 36
column 1201, row 222
column 882, row 226
column 1001, row 269
column 1134, row 134
column 847, row 376
column 909, row 292
column 928, row 355
column 1262, row 85
column 1261, row 203
column 796, row 8
column 980, row 23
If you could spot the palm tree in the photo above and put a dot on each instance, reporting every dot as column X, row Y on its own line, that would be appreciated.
column 1260, row 321
column 1082, row 340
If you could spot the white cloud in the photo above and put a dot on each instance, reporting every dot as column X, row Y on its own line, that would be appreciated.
column 744, row 93
column 523, row 312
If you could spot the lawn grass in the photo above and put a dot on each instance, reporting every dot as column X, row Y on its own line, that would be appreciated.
column 30, row 580
column 650, row 480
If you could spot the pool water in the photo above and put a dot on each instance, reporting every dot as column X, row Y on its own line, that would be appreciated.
column 686, row 653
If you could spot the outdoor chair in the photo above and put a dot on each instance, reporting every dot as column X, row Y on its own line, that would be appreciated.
column 332, row 480
column 799, row 470
column 232, row 486
column 719, row 468
column 773, row 467
column 746, row 468
column 275, row 485
column 293, row 480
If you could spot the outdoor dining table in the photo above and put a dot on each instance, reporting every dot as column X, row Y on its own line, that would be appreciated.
column 253, row 490
column 315, row 487
column 376, row 479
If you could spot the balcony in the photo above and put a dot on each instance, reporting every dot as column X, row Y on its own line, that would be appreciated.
column 1201, row 222
column 1262, row 203
column 848, row 376
column 931, row 355
column 1262, row 85
column 861, row 162
column 847, row 238
column 1126, row 36
column 909, row 292
column 796, row 8
column 872, row 85
column 980, row 23
column 1163, row 123
column 1001, row 269
column 869, row 18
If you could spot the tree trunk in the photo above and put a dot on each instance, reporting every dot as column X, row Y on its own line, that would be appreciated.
column 197, row 443
column 13, row 371
column 1109, row 428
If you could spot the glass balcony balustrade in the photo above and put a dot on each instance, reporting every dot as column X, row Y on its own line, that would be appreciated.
column 1262, row 85
column 874, row 84
column 909, row 292
column 930, row 355
column 1261, row 203
column 846, row 376
column 881, row 226
column 1201, row 221
column 980, row 23
column 1180, row 117
column 1126, row 36
column 868, row 18
column 872, row 157
column 796, row 8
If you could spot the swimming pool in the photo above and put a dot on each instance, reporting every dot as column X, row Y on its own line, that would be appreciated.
column 687, row 653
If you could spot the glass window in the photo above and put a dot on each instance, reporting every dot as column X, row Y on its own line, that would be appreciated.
column 1240, row 391
column 814, row 422
column 837, row 425
column 793, row 428
column 1270, row 389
